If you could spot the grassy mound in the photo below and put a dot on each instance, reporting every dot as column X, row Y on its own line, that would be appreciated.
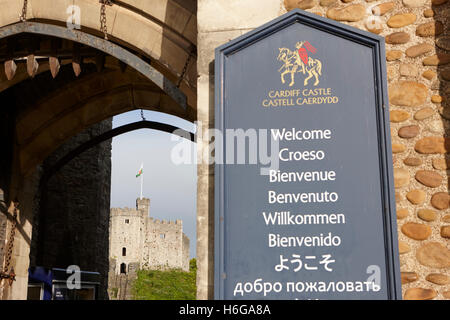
column 166, row 285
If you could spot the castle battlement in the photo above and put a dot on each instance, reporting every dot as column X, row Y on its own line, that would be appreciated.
column 125, row 212
column 152, row 243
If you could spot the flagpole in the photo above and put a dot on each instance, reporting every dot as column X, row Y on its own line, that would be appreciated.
column 142, row 180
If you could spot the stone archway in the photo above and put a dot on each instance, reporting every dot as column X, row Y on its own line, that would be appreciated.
column 160, row 77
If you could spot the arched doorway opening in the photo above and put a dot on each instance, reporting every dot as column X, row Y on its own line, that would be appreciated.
column 70, row 209
column 123, row 268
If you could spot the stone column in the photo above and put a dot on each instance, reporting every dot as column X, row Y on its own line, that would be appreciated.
column 22, row 240
column 218, row 22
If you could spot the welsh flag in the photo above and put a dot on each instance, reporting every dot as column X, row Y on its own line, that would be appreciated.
column 141, row 171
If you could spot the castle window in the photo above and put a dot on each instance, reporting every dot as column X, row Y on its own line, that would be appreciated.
column 162, row 236
column 124, row 252
column 123, row 268
column 127, row 221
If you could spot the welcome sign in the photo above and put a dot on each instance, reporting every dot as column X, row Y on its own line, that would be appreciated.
column 304, row 203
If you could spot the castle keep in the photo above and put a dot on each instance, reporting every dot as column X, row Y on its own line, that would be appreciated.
column 138, row 239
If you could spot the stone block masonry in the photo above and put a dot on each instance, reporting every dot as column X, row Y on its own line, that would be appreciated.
column 2, row 236
column 136, row 238
column 76, row 223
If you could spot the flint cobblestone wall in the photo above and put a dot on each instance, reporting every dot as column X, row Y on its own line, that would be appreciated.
column 417, row 54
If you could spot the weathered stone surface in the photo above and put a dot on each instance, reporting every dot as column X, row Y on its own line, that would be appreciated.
column 445, row 231
column 393, row 55
column 398, row 115
column 392, row 131
column 430, row 29
column 435, row 127
column 438, row 278
column 437, row 99
column 413, row 3
column 398, row 148
column 351, row 13
column 434, row 255
column 397, row 38
column 437, row 60
column 427, row 215
column 412, row 161
column 408, row 277
column 408, row 70
column 408, row 132
column 416, row 196
column 407, row 93
column 424, row 113
column 3, row 223
column 443, row 43
column 445, row 75
column 429, row 74
column 446, row 295
column 431, row 145
column 383, row 8
column 86, row 210
column 403, row 247
column 419, row 294
column 401, row 177
column 402, row 213
column 438, row 2
column 446, row 218
column 401, row 20
column 441, row 163
column 416, row 231
column 394, row 158
column 428, row 13
column 440, row 200
column 429, row 178
column 327, row 3
column 398, row 197
column 300, row 4
column 418, row 50
column 373, row 26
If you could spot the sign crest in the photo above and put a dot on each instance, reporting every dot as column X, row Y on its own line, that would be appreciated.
column 299, row 61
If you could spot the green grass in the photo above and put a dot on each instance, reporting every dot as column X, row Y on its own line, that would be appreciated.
column 166, row 285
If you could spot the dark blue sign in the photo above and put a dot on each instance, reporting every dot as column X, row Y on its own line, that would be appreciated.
column 304, row 203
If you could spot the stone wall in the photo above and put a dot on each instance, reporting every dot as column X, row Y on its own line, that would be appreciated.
column 71, row 227
column 185, row 257
column 417, row 44
column 163, row 247
column 6, row 137
column 149, row 242
column 418, row 60
column 2, row 236
column 126, row 227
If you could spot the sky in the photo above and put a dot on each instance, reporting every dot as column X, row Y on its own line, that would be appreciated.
column 172, row 188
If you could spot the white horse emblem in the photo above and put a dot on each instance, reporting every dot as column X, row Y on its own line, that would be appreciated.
column 299, row 61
